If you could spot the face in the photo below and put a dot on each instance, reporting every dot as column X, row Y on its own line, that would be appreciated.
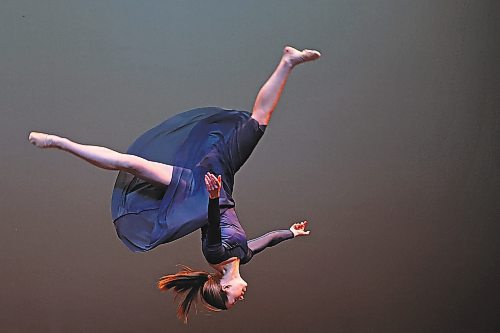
column 235, row 290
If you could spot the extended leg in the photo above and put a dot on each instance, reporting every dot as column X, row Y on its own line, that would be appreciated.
column 108, row 159
column 270, row 93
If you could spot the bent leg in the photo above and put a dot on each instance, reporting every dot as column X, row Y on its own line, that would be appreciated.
column 270, row 93
column 104, row 158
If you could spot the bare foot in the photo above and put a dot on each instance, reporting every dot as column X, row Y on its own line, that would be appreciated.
column 42, row 140
column 294, row 57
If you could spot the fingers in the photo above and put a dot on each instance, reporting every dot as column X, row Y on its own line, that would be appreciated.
column 300, row 229
column 215, row 181
column 301, row 225
column 212, row 182
column 207, row 183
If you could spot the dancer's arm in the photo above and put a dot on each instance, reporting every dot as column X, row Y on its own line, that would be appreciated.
column 213, row 229
column 213, row 185
column 275, row 237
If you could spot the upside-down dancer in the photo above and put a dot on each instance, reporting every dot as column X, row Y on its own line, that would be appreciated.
column 173, row 172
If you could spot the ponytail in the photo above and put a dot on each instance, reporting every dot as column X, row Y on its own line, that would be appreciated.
column 193, row 285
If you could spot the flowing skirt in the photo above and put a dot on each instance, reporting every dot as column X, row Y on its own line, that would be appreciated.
column 194, row 142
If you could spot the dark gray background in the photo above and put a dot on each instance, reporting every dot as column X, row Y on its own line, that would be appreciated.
column 389, row 145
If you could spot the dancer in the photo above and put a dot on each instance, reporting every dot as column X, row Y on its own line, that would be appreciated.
column 168, row 178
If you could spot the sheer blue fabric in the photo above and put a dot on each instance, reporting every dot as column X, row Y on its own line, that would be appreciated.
column 194, row 142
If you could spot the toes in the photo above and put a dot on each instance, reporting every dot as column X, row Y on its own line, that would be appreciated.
column 309, row 55
column 294, row 56
column 33, row 138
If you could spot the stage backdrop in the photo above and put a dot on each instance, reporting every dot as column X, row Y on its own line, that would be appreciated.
column 388, row 145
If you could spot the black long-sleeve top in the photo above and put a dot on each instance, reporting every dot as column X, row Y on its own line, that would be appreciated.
column 224, row 238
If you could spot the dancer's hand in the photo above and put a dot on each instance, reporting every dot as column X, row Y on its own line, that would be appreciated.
column 213, row 185
column 299, row 229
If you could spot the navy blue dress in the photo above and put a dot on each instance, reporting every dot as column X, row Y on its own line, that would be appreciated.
column 194, row 142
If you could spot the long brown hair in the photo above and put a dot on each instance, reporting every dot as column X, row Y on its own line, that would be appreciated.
column 193, row 285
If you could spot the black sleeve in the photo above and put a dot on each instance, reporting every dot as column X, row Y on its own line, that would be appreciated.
column 213, row 229
column 270, row 239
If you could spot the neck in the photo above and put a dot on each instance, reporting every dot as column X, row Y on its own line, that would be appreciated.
column 230, row 269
